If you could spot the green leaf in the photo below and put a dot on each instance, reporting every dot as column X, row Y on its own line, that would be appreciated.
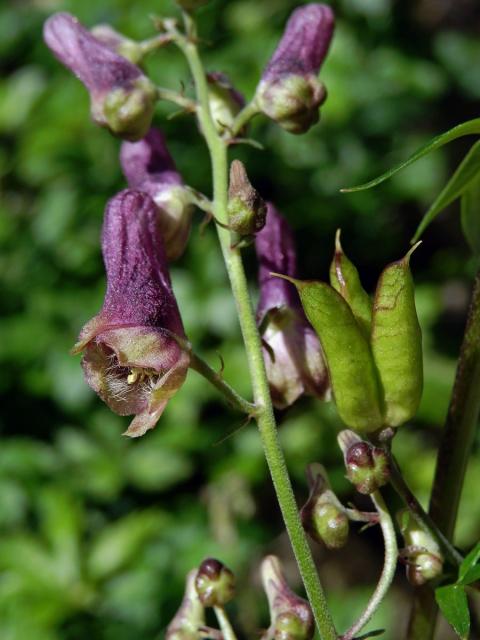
column 472, row 575
column 469, row 562
column 465, row 129
column 453, row 603
column 470, row 212
column 466, row 172
column 348, row 355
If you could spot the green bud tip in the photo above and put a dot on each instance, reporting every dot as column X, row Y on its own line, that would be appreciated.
column 214, row 583
column 424, row 560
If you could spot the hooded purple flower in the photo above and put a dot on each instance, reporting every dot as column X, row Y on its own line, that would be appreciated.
column 122, row 97
column 148, row 166
column 130, row 355
column 292, row 352
column 289, row 91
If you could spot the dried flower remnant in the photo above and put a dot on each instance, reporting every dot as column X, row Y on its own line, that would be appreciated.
column 131, row 356
column 289, row 91
column 292, row 353
column 247, row 210
column 122, row 98
column 291, row 617
column 148, row 166
column 190, row 617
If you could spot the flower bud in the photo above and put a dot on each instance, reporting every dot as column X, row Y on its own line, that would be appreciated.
column 291, row 617
column 190, row 617
column 323, row 516
column 215, row 583
column 225, row 101
column 292, row 353
column 367, row 466
column 122, row 97
column 423, row 557
column 131, row 352
column 289, row 91
column 247, row 210
column 118, row 43
column 148, row 166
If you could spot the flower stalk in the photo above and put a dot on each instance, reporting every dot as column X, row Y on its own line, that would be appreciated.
column 389, row 566
column 265, row 417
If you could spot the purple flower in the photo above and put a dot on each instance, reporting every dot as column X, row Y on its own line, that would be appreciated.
column 292, row 352
column 122, row 97
column 148, row 166
column 131, row 357
column 289, row 91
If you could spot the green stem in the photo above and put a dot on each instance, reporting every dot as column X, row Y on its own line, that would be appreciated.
column 389, row 566
column 236, row 400
column 248, row 112
column 265, row 417
column 453, row 454
column 224, row 624
column 176, row 98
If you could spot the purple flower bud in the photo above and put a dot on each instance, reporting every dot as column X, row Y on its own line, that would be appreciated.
column 215, row 583
column 292, row 352
column 131, row 356
column 148, row 166
column 225, row 101
column 122, row 97
column 289, row 91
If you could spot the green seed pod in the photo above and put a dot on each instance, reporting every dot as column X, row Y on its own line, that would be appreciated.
column 345, row 280
column 397, row 342
column 347, row 352
column 329, row 524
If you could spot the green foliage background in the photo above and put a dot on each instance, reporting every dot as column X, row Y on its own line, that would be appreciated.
column 97, row 532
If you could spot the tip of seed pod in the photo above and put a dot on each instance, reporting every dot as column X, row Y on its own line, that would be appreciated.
column 409, row 253
column 294, row 281
column 338, row 244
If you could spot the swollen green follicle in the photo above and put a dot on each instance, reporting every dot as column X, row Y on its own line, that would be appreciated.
column 397, row 343
column 347, row 352
column 345, row 280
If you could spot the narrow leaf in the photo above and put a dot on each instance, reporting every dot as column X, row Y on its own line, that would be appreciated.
column 453, row 603
column 348, row 355
column 466, row 128
column 472, row 575
column 471, row 214
column 469, row 561
column 466, row 172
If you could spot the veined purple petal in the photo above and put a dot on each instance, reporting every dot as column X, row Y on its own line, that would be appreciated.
column 132, row 353
column 94, row 63
column 305, row 42
column 148, row 166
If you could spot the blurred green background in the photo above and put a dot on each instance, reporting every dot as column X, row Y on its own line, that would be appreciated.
column 98, row 532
